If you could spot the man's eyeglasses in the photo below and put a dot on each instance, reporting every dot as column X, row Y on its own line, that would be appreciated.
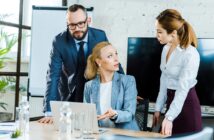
column 80, row 24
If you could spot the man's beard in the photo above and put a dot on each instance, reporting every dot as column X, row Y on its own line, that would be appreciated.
column 82, row 37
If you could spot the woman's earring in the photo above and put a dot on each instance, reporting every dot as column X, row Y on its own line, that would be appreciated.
column 99, row 65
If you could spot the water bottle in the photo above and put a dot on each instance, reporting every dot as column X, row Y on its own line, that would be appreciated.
column 24, row 116
column 65, row 128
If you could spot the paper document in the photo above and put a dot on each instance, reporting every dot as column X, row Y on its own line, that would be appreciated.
column 11, row 126
column 6, row 129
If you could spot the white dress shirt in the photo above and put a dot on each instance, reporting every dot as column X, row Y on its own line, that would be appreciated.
column 85, row 46
column 178, row 73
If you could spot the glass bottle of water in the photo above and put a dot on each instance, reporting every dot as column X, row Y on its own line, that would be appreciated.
column 65, row 129
column 24, row 116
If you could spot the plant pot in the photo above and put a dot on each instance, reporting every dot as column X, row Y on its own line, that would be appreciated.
column 5, row 116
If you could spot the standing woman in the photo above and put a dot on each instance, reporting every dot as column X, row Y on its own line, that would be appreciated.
column 114, row 94
column 179, row 66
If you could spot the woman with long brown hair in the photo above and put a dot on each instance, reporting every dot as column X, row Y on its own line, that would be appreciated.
column 114, row 94
column 179, row 66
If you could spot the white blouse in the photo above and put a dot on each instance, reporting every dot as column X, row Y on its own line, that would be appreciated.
column 105, row 102
column 178, row 73
column 105, row 96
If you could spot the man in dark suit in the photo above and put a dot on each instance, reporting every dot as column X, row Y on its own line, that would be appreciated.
column 65, row 77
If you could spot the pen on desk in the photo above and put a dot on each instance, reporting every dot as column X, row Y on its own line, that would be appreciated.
column 102, row 131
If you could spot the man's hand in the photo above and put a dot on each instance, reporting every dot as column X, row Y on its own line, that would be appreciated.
column 156, row 118
column 46, row 120
column 166, row 127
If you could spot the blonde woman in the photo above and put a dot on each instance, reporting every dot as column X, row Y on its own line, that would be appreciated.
column 114, row 94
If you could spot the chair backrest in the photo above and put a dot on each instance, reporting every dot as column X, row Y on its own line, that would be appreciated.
column 141, row 114
column 205, row 134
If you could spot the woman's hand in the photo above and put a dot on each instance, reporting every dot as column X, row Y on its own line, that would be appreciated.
column 156, row 118
column 108, row 114
column 138, row 99
column 166, row 127
column 46, row 120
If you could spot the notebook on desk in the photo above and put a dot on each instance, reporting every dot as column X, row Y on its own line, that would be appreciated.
column 76, row 108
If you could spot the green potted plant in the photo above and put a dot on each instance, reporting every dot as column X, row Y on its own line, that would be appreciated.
column 3, row 84
column 7, row 41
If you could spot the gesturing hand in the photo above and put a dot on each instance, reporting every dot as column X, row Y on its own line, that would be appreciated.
column 46, row 120
column 108, row 114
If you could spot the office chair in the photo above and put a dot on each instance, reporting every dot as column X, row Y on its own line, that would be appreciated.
column 141, row 114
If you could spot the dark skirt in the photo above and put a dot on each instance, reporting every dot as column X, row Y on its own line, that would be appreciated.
column 189, row 120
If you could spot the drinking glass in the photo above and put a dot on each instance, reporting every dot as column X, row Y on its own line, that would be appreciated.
column 78, row 124
column 88, row 125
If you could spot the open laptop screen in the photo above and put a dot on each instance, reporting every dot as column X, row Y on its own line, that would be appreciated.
column 88, row 109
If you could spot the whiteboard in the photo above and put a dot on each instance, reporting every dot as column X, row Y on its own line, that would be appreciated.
column 47, row 22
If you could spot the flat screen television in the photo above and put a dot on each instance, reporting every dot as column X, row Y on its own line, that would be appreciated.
column 144, row 55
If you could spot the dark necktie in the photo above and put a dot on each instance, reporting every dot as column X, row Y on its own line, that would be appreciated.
column 81, row 57
column 80, row 74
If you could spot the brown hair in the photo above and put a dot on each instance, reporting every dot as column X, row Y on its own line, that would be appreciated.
column 92, row 67
column 171, row 20
column 75, row 7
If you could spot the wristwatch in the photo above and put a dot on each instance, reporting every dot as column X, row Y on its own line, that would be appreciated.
column 169, row 118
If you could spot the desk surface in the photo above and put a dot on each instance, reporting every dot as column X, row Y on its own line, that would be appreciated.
column 47, row 132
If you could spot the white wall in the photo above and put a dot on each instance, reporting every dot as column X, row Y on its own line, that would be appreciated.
column 135, row 18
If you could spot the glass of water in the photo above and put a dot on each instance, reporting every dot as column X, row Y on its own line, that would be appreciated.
column 88, row 125
column 17, row 117
column 78, row 123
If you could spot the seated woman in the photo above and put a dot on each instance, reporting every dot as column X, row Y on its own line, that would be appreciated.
column 114, row 94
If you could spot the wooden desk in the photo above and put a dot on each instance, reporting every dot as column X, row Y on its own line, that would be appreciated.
column 47, row 132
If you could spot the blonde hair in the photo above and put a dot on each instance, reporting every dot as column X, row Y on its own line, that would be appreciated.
column 171, row 20
column 92, row 67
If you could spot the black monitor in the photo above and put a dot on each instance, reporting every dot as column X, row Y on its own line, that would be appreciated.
column 205, row 85
column 144, row 56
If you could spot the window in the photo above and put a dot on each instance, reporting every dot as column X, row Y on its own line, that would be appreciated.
column 16, row 33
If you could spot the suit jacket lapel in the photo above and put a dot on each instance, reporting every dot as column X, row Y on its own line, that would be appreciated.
column 96, row 93
column 115, row 90
column 72, row 45
column 91, row 41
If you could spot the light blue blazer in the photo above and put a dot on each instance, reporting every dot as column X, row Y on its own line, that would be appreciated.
column 123, row 99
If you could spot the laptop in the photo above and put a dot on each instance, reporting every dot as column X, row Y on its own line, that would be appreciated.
column 76, row 107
